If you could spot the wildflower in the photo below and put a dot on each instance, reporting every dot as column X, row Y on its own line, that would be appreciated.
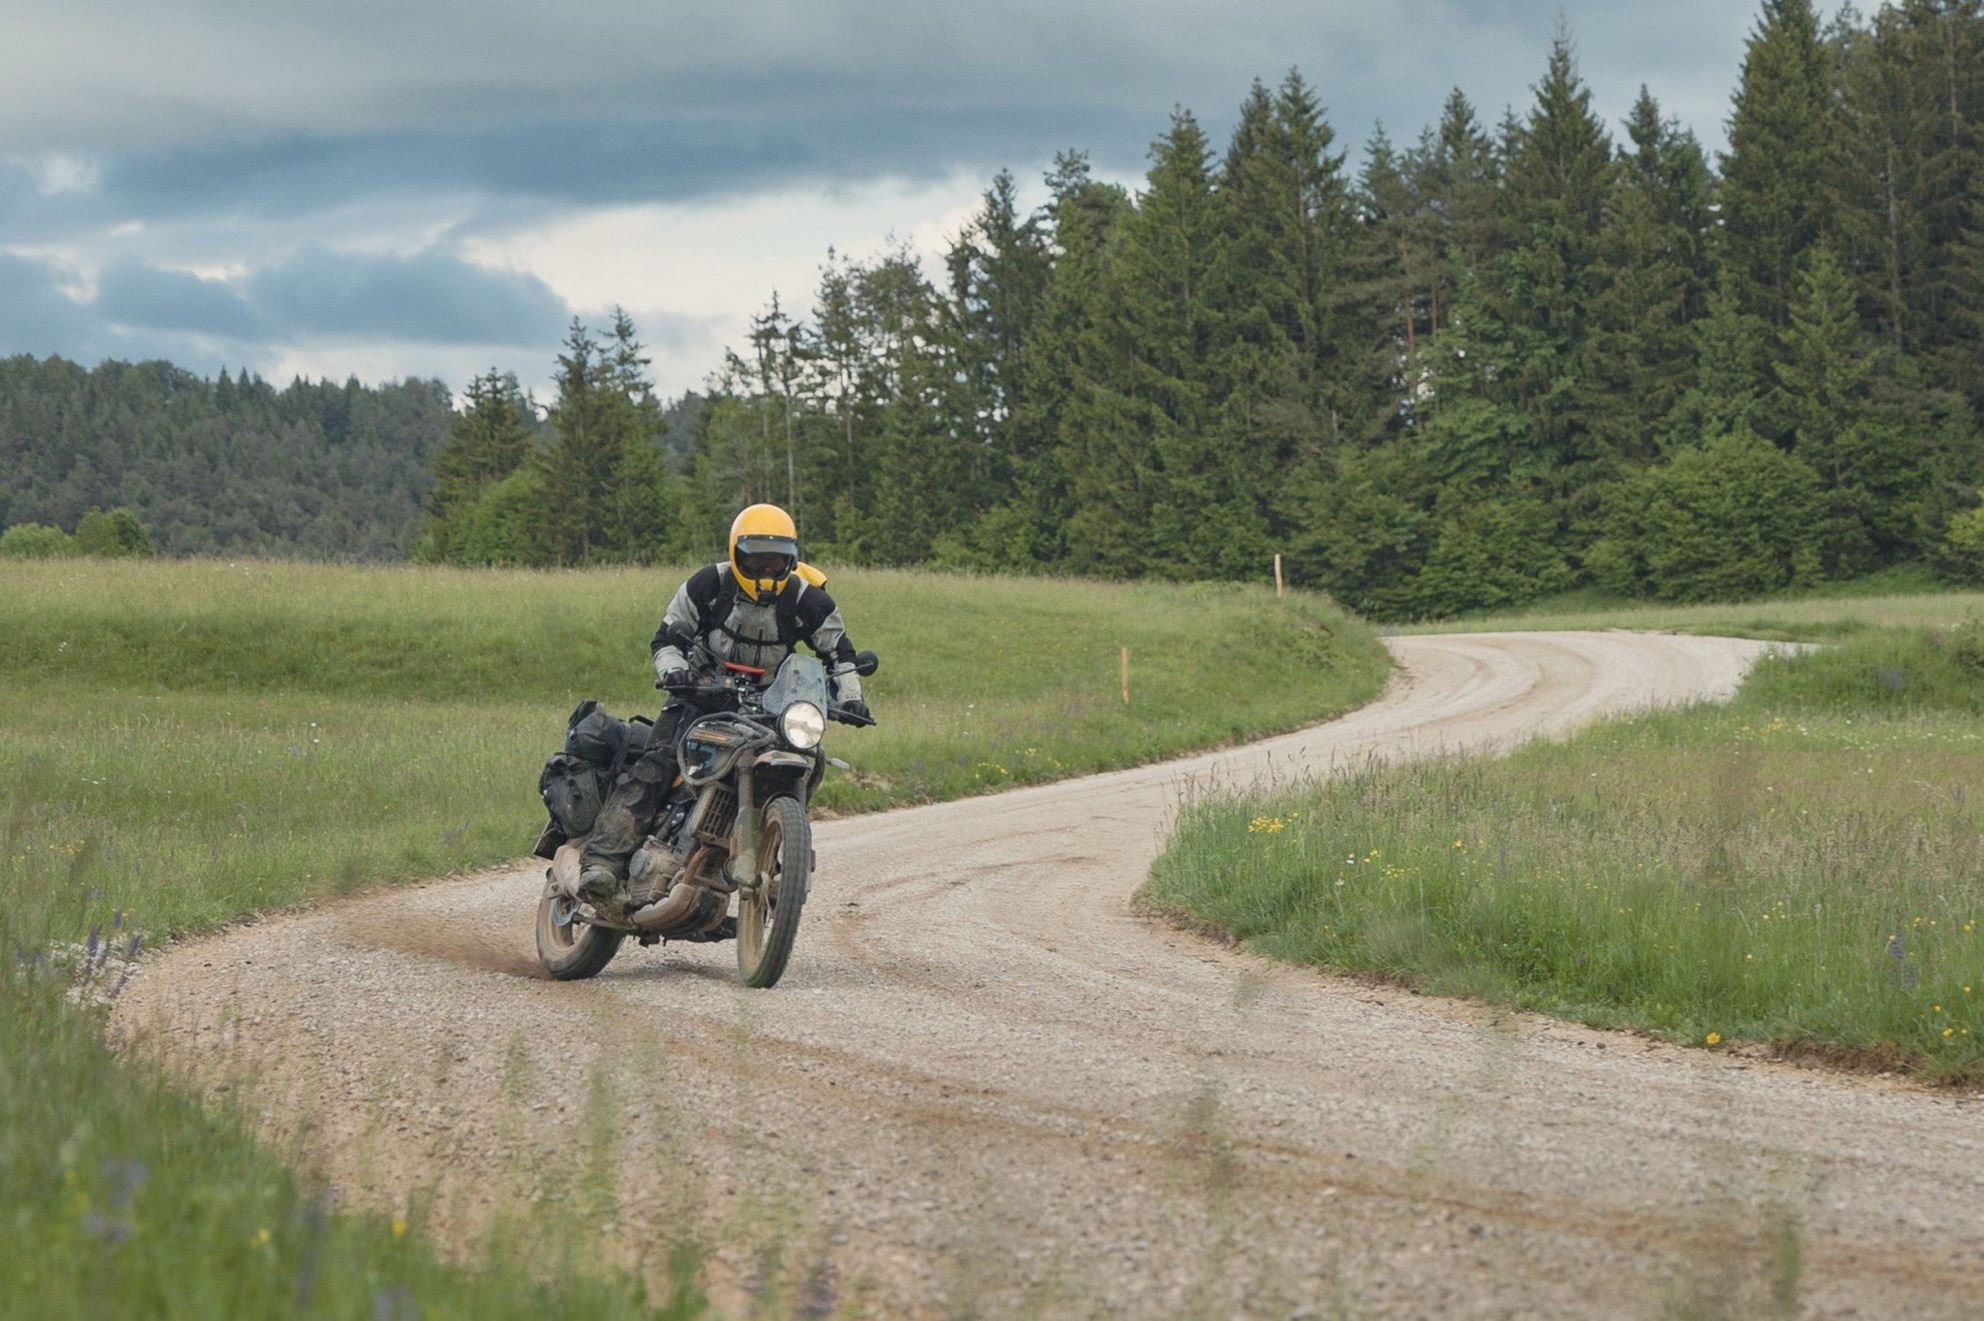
column 1713, row 1038
column 1949, row 1031
column 1937, row 1008
column 260, row 1238
column 399, row 1227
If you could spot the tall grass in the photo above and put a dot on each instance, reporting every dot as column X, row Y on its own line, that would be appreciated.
column 125, row 1197
column 1803, row 867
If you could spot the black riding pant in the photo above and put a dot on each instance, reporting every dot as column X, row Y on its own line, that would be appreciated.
column 637, row 797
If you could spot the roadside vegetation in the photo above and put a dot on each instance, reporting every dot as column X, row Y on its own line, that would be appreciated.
column 127, row 1197
column 183, row 743
column 1898, row 598
column 1800, row 867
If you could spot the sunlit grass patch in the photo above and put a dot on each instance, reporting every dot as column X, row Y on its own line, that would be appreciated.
column 1897, row 600
column 1805, row 865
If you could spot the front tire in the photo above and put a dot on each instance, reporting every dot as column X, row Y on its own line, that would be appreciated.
column 768, row 916
column 575, row 949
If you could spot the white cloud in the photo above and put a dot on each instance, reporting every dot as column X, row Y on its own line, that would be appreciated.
column 692, row 274
column 56, row 173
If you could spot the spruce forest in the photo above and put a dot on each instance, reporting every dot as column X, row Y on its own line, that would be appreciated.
column 1466, row 369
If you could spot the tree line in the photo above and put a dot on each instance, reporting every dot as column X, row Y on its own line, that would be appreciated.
column 1488, row 363
column 228, row 465
column 1493, row 363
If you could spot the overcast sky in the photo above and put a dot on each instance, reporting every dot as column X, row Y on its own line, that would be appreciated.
column 389, row 190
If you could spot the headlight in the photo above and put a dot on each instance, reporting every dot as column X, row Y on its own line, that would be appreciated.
column 802, row 723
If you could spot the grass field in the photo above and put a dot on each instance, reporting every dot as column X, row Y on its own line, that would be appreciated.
column 226, row 738
column 184, row 743
column 1897, row 599
column 1804, row 867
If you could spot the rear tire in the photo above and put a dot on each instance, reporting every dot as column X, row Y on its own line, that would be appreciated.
column 577, row 949
column 768, row 918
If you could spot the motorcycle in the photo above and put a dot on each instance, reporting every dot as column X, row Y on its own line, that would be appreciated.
column 735, row 825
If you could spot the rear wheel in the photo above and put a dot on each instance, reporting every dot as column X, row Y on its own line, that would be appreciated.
column 768, row 916
column 571, row 948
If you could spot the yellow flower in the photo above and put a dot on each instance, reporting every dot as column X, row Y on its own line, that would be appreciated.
column 1714, row 1038
column 1949, row 1031
column 260, row 1238
column 399, row 1227
column 1937, row 1008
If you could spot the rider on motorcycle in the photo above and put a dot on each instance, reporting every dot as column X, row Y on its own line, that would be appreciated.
column 750, row 610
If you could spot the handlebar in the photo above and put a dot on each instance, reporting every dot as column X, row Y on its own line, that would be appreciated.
column 836, row 713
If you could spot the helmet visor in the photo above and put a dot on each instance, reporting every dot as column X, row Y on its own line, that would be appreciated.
column 766, row 559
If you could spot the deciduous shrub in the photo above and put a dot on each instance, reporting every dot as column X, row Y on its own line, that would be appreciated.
column 1734, row 517
column 37, row 541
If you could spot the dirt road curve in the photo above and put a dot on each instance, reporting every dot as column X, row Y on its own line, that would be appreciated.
column 986, row 1085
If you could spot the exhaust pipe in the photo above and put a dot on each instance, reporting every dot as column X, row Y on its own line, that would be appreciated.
column 689, row 906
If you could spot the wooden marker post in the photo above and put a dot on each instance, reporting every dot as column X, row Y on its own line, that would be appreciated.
column 1277, row 573
column 1126, row 676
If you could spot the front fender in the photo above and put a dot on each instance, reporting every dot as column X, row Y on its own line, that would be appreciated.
column 783, row 760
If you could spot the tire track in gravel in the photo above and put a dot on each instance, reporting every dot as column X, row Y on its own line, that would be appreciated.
column 985, row 1083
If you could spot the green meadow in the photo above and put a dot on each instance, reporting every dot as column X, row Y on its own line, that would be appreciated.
column 1803, row 867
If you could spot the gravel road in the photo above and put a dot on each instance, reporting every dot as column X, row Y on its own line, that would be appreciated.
column 986, row 1085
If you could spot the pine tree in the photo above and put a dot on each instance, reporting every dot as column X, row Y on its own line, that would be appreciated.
column 596, row 418
column 1394, row 269
column 1780, row 134
column 999, row 268
column 1731, row 379
column 1640, row 355
column 1906, row 169
column 1464, row 182
column 1295, row 345
column 1206, row 512
column 1546, row 282
column 1871, row 467
column 487, row 441
column 1068, row 356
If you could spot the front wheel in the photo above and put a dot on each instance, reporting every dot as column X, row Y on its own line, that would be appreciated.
column 571, row 948
column 768, row 915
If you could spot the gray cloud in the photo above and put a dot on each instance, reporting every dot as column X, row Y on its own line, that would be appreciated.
column 430, row 297
column 36, row 314
column 310, row 297
column 136, row 294
column 271, row 109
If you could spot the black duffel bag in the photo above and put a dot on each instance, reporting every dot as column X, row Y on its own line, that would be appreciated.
column 570, row 788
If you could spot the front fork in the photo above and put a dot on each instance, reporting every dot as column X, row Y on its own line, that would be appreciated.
column 744, row 849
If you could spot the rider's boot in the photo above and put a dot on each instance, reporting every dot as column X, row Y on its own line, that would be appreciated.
column 599, row 885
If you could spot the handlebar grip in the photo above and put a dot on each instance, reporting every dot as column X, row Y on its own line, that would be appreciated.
column 846, row 717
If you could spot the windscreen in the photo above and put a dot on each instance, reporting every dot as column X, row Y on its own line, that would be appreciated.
column 800, row 679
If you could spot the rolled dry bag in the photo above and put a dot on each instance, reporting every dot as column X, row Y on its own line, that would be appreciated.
column 594, row 737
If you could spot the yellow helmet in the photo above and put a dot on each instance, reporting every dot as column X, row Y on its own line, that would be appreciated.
column 764, row 550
